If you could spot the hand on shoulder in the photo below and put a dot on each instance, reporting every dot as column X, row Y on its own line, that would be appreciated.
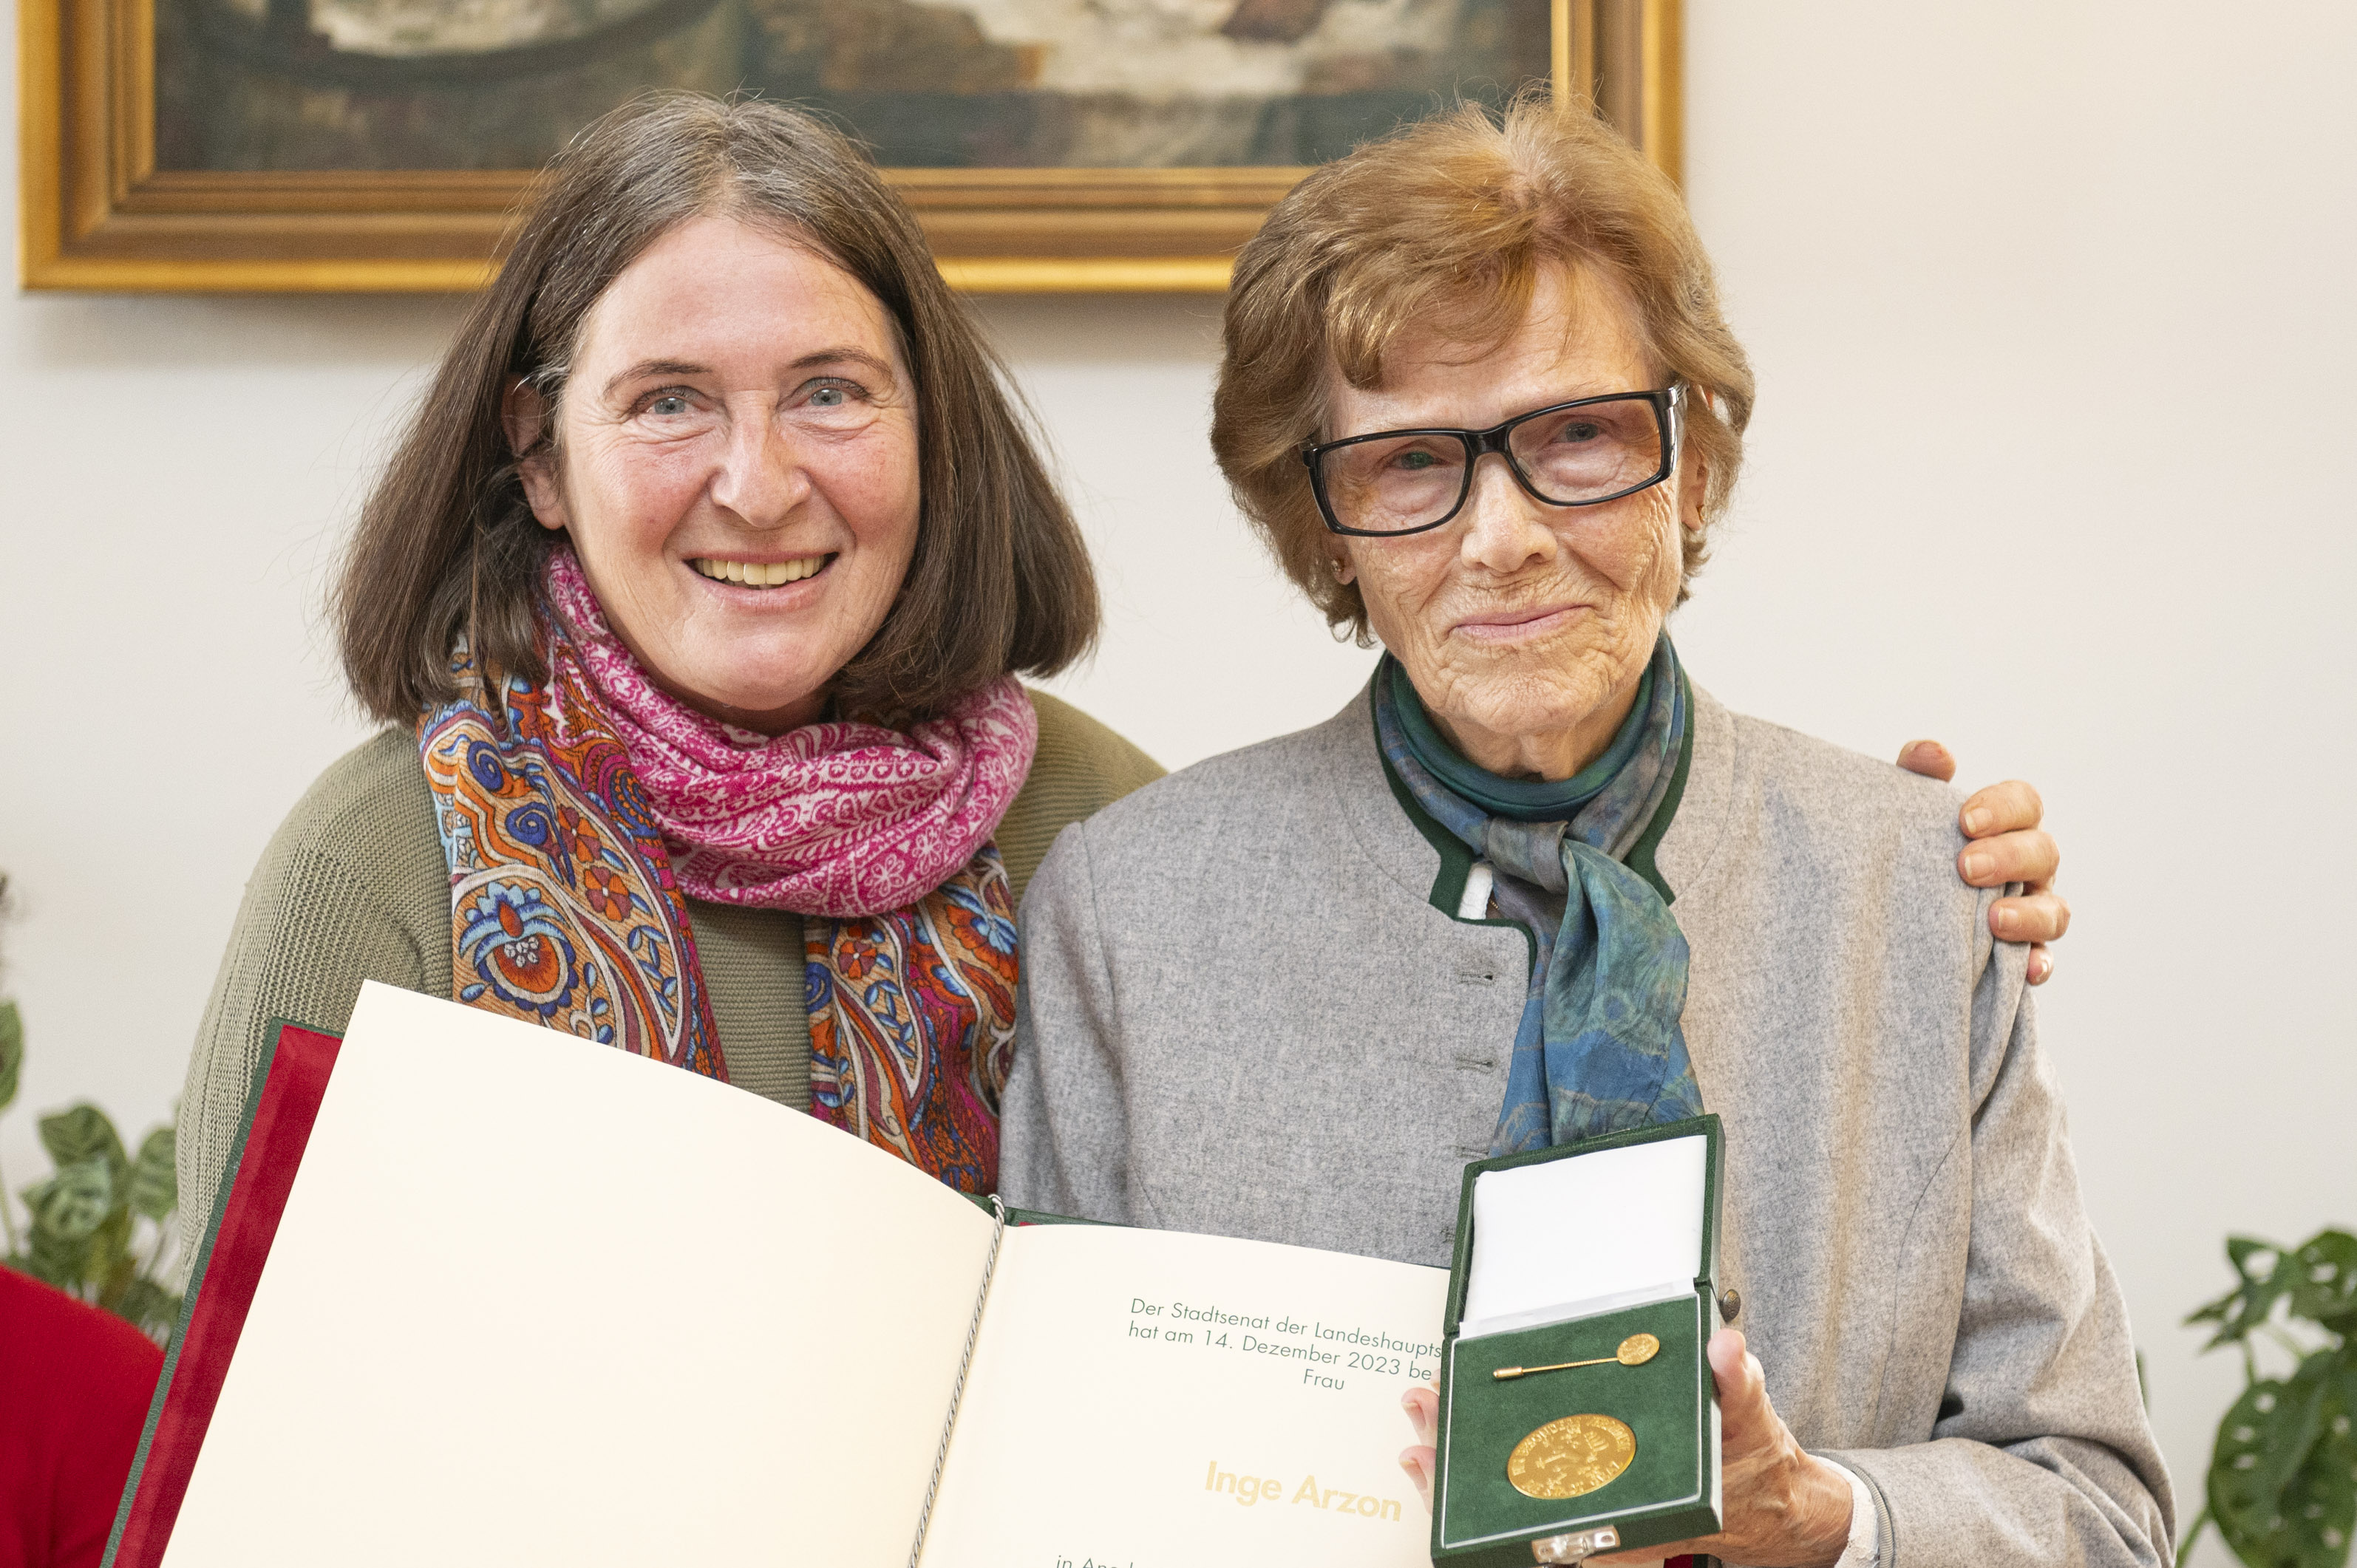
column 2007, row 845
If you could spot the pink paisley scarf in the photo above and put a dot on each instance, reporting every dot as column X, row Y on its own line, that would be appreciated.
column 578, row 814
column 832, row 819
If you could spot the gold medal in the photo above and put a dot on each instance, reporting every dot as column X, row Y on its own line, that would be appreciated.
column 1571, row 1458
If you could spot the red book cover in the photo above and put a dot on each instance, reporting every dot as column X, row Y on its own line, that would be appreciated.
column 289, row 1084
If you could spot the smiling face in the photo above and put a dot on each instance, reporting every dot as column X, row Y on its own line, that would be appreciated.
column 1526, row 628
column 735, row 462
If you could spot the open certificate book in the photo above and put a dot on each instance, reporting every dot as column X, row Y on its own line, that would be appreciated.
column 480, row 1293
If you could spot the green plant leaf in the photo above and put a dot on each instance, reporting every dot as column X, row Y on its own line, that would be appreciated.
column 2322, row 1505
column 2264, row 1448
column 113, row 1270
column 12, row 1051
column 111, row 1265
column 155, row 1183
column 2261, row 1282
column 57, row 1260
column 82, row 1132
column 2315, row 1514
column 73, row 1204
column 2282, row 1486
column 2321, row 1279
column 2215, row 1311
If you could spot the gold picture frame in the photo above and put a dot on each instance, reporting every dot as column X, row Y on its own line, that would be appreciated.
column 98, row 214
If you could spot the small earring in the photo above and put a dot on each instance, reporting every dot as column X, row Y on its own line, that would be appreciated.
column 1342, row 570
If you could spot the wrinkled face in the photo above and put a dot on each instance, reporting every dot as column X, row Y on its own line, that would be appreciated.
column 1526, row 628
column 736, row 465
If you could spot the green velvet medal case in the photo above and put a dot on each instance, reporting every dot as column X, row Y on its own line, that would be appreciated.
column 1590, row 1243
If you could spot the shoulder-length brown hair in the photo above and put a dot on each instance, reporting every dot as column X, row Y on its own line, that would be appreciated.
column 447, row 549
column 1451, row 219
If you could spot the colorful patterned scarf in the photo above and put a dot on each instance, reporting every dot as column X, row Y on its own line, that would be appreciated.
column 1599, row 1048
column 579, row 815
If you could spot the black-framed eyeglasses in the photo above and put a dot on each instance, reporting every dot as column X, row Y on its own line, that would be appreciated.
column 1582, row 453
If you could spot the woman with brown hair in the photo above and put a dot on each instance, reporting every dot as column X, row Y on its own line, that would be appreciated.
column 693, row 601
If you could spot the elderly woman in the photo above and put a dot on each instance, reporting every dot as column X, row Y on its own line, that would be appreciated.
column 694, row 599
column 1535, row 884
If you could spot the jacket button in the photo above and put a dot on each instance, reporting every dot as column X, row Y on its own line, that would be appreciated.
column 1731, row 1302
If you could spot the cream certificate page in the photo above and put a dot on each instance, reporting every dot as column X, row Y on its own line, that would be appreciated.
column 535, row 1300
column 1146, row 1398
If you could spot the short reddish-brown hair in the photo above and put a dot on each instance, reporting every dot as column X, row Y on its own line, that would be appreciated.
column 1452, row 219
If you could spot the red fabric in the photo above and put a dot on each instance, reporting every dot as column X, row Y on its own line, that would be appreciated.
column 74, row 1387
column 282, row 1114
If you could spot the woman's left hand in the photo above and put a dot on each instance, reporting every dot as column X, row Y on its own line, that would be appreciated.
column 2007, row 846
column 1781, row 1507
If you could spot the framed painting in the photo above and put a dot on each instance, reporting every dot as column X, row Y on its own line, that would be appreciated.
column 1046, row 144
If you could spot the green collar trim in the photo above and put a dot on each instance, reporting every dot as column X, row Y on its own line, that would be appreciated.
column 1457, row 859
column 1640, row 853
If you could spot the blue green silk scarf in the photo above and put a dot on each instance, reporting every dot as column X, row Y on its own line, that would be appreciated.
column 1599, row 1048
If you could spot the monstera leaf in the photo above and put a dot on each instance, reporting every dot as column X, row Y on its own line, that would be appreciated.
column 2318, row 1279
column 2280, row 1485
column 2283, row 1478
column 2324, row 1290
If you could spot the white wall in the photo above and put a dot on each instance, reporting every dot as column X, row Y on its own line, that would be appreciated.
column 2050, row 309
column 2050, row 306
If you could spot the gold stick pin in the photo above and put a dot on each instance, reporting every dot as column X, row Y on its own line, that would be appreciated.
column 1635, row 1351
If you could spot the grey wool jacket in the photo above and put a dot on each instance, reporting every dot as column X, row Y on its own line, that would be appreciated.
column 1242, row 1014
